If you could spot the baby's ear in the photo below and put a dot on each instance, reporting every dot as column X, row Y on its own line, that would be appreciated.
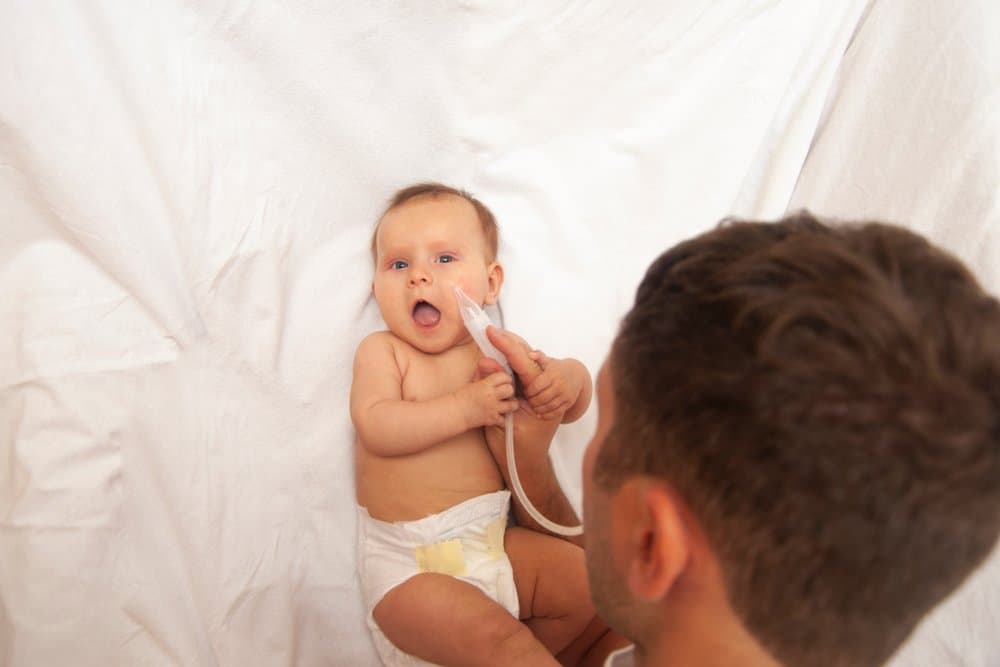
column 494, row 282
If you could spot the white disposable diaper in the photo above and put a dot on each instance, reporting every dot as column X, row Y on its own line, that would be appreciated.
column 464, row 541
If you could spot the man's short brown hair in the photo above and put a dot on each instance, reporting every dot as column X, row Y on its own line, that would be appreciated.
column 486, row 218
column 826, row 400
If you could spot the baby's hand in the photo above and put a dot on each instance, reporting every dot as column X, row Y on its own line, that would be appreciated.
column 556, row 389
column 485, row 402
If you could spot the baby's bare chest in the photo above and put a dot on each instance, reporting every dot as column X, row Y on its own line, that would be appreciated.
column 429, row 377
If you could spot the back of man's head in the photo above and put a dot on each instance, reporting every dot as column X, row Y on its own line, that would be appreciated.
column 826, row 400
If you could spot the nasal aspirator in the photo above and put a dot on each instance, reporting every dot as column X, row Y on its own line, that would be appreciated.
column 476, row 320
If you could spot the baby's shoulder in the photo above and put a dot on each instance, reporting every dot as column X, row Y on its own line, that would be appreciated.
column 384, row 337
column 382, row 346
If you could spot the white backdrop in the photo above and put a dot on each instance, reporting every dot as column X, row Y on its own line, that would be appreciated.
column 187, row 191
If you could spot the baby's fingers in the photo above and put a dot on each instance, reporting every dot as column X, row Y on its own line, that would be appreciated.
column 555, row 407
column 540, row 384
column 503, row 409
column 500, row 379
column 551, row 393
column 539, row 358
column 504, row 391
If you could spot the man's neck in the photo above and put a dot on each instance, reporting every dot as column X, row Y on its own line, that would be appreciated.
column 702, row 639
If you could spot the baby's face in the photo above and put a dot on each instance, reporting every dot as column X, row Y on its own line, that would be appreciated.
column 424, row 249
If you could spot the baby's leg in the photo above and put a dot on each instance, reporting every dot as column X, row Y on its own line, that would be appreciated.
column 450, row 622
column 551, row 579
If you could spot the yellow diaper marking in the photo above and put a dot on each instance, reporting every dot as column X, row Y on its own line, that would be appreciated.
column 441, row 558
column 494, row 537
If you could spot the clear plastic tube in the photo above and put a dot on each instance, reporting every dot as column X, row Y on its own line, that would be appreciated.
column 542, row 520
column 476, row 320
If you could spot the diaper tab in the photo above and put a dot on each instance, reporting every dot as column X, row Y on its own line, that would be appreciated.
column 441, row 558
column 494, row 538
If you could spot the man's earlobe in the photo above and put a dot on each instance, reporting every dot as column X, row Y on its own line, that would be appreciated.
column 658, row 546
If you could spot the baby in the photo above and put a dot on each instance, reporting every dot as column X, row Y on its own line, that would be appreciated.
column 444, row 579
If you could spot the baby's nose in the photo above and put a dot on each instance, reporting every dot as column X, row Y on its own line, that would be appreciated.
column 419, row 277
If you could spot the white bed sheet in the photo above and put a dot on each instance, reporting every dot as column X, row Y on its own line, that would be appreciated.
column 912, row 134
column 186, row 197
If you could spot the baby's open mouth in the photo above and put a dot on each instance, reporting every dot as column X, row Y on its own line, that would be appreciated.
column 425, row 314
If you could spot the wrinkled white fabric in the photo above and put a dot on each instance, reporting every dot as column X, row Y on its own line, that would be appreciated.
column 187, row 192
column 911, row 134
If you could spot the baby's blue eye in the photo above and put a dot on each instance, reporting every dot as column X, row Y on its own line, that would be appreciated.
column 398, row 264
column 445, row 259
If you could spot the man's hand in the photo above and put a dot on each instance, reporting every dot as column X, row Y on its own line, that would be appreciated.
column 518, row 354
column 552, row 388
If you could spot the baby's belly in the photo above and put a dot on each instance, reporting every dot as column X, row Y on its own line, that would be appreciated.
column 405, row 488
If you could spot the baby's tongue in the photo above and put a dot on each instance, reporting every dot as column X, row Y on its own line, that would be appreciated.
column 426, row 315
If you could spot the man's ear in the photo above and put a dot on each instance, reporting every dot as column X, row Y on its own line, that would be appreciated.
column 495, row 281
column 653, row 541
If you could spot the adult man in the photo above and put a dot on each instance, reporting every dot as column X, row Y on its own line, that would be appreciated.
column 798, row 446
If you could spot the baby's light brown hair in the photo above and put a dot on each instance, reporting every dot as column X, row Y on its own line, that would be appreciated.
column 433, row 190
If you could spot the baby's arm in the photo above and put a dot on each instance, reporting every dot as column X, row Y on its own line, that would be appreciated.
column 389, row 425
